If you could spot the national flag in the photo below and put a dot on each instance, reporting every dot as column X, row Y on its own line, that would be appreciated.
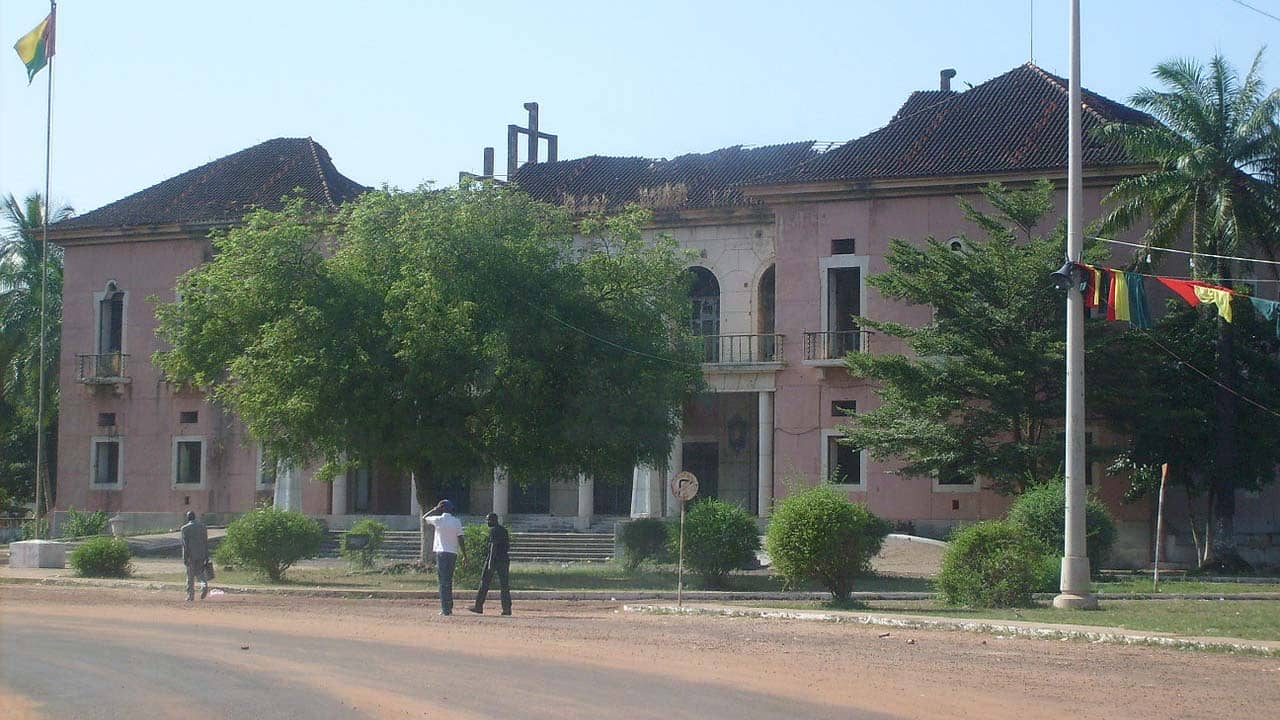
column 36, row 47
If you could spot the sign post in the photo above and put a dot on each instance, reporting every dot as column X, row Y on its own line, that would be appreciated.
column 1155, row 580
column 684, row 486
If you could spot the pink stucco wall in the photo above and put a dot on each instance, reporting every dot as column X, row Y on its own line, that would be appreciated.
column 147, row 408
column 804, row 394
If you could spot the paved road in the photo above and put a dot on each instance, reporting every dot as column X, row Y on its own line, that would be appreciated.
column 101, row 653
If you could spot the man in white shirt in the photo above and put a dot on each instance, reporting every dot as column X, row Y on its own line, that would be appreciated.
column 447, row 544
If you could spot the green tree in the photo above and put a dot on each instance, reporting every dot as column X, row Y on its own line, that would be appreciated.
column 1161, row 403
column 21, row 256
column 818, row 534
column 437, row 331
column 1208, row 182
column 981, row 395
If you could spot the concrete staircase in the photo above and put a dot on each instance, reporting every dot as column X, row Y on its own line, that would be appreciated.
column 402, row 546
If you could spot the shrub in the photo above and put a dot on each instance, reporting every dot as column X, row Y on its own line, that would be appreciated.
column 643, row 539
column 718, row 538
column 101, row 557
column 78, row 524
column 474, row 538
column 992, row 564
column 817, row 533
column 34, row 529
column 364, row 556
column 1041, row 511
column 270, row 540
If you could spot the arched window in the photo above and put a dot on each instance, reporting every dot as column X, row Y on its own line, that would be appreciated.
column 768, row 351
column 704, row 319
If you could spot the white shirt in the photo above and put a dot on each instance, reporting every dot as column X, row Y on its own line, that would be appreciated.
column 448, row 530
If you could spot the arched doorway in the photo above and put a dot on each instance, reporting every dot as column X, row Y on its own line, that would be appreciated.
column 704, row 318
column 767, row 318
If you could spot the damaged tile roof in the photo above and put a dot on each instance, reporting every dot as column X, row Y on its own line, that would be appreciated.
column 1016, row 122
column 702, row 180
column 223, row 190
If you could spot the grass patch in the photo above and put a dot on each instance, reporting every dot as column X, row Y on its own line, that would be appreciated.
column 1185, row 586
column 1244, row 619
column 531, row 576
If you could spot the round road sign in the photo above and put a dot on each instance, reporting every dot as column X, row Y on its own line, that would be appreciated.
column 684, row 485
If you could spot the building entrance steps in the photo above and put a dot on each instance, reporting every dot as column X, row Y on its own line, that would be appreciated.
column 525, row 546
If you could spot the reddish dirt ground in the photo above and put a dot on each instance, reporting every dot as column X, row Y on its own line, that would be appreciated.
column 99, row 653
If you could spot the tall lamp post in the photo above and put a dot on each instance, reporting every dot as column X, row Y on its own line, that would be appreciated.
column 1074, row 585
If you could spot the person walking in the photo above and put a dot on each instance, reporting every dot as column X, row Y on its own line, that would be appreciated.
column 497, row 559
column 447, row 543
column 195, row 555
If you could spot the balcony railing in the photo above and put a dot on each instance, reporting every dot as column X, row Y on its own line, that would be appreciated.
column 105, row 369
column 831, row 347
column 741, row 349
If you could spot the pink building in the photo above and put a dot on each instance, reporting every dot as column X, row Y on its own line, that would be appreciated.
column 784, row 238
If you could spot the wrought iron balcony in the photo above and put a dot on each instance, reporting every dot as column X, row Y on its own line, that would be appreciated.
column 741, row 349
column 829, row 348
column 105, row 369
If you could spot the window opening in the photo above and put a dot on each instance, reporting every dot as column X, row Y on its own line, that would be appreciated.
column 187, row 470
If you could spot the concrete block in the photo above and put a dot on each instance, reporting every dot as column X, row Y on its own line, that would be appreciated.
column 37, row 554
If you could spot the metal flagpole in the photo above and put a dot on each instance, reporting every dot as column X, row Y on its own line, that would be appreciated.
column 42, row 481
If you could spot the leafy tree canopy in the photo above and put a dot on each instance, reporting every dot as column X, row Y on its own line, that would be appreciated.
column 437, row 331
column 981, row 394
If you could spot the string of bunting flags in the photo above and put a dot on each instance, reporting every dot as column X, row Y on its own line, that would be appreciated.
column 1123, row 295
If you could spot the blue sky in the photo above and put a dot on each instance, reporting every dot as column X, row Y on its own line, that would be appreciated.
column 403, row 92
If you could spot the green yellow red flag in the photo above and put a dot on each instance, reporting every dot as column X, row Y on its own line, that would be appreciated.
column 36, row 47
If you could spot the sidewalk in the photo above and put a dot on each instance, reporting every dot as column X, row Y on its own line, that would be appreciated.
column 1090, row 633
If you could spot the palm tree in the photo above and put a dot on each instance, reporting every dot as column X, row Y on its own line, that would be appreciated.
column 21, row 260
column 1209, row 183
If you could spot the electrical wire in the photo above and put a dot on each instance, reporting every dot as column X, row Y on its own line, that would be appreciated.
column 1187, row 252
column 1187, row 364
column 1261, row 12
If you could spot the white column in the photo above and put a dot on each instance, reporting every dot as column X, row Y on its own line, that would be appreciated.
column 764, row 462
column 288, row 488
column 586, row 502
column 641, row 503
column 339, row 495
column 415, row 507
column 675, row 463
column 501, row 493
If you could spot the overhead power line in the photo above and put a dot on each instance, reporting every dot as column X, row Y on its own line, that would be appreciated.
column 1261, row 12
column 1187, row 252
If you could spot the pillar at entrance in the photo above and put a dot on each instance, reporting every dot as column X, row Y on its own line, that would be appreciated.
column 586, row 503
column 675, row 463
column 642, row 476
column 415, row 507
column 764, row 464
column 288, row 488
column 338, row 495
column 501, row 493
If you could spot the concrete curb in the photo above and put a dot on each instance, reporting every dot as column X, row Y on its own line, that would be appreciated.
column 597, row 595
column 991, row 627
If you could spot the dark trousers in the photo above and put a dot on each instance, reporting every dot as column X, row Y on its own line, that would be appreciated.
column 445, row 563
column 503, row 569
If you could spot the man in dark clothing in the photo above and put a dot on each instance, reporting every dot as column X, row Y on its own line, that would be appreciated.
column 195, row 555
column 496, row 560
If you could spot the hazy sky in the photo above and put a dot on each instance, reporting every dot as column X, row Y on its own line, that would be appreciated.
column 403, row 92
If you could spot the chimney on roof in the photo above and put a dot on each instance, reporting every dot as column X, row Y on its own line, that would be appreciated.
column 944, row 81
column 535, row 135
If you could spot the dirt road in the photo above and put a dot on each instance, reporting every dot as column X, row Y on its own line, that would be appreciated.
column 98, row 653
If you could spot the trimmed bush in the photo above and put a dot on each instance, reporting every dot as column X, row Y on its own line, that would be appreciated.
column 101, row 557
column 474, row 538
column 643, row 539
column 78, row 524
column 270, row 540
column 817, row 533
column 718, row 539
column 992, row 564
column 364, row 556
column 1042, row 509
